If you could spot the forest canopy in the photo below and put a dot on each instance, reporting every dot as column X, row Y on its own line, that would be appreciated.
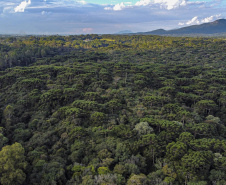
column 105, row 109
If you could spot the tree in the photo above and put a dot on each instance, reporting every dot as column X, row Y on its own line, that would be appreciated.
column 195, row 165
column 175, row 151
column 3, row 139
column 103, row 170
column 217, row 176
column 212, row 119
column 140, row 179
column 53, row 173
column 114, row 105
column 203, row 129
column 98, row 118
column 143, row 128
column 119, row 169
column 149, row 144
column 198, row 183
column 186, row 137
column 12, row 164
column 149, row 101
column 8, row 115
column 206, row 106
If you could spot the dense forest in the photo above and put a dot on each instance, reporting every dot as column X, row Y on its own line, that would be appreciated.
column 112, row 110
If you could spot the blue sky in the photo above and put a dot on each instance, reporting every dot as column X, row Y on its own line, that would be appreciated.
column 104, row 16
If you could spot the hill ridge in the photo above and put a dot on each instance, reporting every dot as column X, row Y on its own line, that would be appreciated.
column 215, row 27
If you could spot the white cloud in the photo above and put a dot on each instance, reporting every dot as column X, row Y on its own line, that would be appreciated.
column 168, row 4
column 208, row 19
column 119, row 7
column 211, row 18
column 22, row 6
column 195, row 20
column 45, row 13
column 108, row 8
column 143, row 3
column 171, row 4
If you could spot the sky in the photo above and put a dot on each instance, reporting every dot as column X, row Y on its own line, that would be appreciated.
column 72, row 17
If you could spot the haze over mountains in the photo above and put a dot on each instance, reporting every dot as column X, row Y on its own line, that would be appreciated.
column 124, row 32
column 217, row 27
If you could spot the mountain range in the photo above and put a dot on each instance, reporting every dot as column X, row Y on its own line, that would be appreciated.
column 217, row 27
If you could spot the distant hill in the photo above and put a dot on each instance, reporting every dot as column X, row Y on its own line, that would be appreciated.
column 124, row 32
column 216, row 27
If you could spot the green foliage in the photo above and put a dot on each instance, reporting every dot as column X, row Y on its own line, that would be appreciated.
column 217, row 176
column 86, row 105
column 197, row 163
column 176, row 151
column 140, row 179
column 114, row 105
column 186, row 137
column 77, row 133
column 120, row 169
column 206, row 106
column 12, row 164
column 3, row 139
column 198, row 183
column 143, row 128
column 103, row 170
column 98, row 118
column 8, row 115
